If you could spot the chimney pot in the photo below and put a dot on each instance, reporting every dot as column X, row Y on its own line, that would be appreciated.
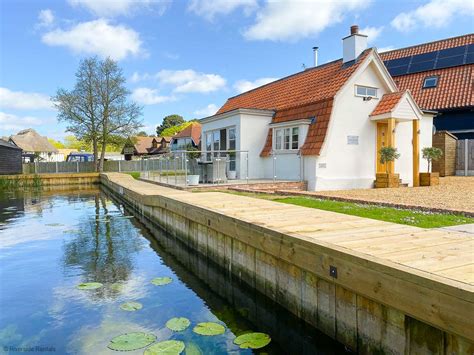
column 315, row 55
column 354, row 30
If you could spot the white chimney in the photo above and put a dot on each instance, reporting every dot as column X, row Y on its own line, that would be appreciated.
column 315, row 54
column 353, row 45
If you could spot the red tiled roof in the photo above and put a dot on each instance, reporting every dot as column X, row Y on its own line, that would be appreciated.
column 193, row 131
column 455, row 88
column 387, row 103
column 306, row 94
column 310, row 85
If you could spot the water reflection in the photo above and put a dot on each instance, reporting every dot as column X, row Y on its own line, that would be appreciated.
column 233, row 302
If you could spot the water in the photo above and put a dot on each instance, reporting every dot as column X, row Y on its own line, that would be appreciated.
column 51, row 242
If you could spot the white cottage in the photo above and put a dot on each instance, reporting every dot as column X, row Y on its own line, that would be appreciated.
column 326, row 124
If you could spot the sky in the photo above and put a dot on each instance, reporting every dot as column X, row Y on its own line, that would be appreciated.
column 187, row 57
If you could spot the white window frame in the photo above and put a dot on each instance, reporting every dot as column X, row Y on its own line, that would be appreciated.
column 218, row 130
column 283, row 146
column 356, row 87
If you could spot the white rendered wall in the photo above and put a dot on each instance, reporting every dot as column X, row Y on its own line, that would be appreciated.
column 254, row 131
column 351, row 166
column 426, row 139
column 404, row 145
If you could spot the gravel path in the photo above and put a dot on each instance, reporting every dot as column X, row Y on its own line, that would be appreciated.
column 453, row 193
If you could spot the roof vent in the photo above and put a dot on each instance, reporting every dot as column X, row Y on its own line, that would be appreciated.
column 353, row 45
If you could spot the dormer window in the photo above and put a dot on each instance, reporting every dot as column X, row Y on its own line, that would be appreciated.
column 430, row 82
column 365, row 91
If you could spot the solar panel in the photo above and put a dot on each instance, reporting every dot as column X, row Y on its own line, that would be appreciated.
column 443, row 53
column 394, row 71
column 450, row 61
column 470, row 58
column 397, row 62
column 424, row 57
column 423, row 66
column 444, row 58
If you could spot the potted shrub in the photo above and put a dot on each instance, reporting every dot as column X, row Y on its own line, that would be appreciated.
column 430, row 178
column 192, row 153
column 387, row 154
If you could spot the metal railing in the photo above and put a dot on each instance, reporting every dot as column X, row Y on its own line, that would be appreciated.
column 183, row 168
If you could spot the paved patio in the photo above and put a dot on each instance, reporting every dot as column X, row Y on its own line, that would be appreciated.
column 454, row 193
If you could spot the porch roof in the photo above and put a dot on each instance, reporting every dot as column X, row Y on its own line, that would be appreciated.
column 399, row 105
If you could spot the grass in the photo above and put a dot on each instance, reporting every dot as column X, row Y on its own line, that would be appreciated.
column 134, row 174
column 415, row 218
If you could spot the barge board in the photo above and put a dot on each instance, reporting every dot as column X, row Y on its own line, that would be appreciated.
column 427, row 287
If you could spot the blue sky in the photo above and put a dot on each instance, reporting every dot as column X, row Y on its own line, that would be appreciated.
column 187, row 57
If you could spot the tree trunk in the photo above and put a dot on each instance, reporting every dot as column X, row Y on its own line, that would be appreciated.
column 102, row 157
column 95, row 152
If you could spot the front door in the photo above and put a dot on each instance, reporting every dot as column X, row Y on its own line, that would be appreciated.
column 382, row 129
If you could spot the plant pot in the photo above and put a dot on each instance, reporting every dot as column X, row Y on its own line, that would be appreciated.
column 232, row 175
column 429, row 179
column 193, row 180
column 384, row 180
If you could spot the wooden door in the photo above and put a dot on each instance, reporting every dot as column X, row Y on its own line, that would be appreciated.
column 382, row 140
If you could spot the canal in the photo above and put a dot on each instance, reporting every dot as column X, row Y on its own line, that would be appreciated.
column 52, row 243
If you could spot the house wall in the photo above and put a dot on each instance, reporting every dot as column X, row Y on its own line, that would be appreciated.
column 347, row 166
column 250, row 135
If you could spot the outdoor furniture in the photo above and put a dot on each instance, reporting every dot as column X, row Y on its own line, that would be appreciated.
column 203, row 170
column 216, row 172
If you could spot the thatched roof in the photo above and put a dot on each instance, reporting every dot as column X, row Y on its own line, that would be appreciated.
column 30, row 141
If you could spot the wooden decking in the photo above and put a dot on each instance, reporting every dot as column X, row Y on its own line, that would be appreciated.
column 441, row 261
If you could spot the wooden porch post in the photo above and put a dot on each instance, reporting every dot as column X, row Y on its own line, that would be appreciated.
column 391, row 142
column 416, row 153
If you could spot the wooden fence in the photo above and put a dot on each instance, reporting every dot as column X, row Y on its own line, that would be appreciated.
column 465, row 157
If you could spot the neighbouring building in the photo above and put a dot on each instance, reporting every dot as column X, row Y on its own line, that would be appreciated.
column 10, row 158
column 36, row 148
column 440, row 76
column 326, row 124
column 140, row 147
column 191, row 135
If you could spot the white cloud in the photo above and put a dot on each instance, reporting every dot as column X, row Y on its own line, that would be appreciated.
column 10, row 123
column 147, row 96
column 191, row 81
column 24, row 100
column 372, row 33
column 209, row 9
column 209, row 110
column 45, row 18
column 435, row 13
column 111, row 8
column 245, row 85
column 289, row 20
column 97, row 37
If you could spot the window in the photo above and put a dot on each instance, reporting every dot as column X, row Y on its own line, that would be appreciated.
column 366, row 91
column 430, row 82
column 220, row 139
column 287, row 138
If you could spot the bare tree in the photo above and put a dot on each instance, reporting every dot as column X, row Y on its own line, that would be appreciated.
column 97, row 110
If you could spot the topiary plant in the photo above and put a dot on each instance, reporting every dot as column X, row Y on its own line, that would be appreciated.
column 388, row 154
column 430, row 154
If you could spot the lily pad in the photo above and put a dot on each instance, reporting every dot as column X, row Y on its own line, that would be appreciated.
column 209, row 328
column 193, row 349
column 252, row 340
column 168, row 347
column 160, row 281
column 178, row 324
column 89, row 285
column 131, row 306
column 131, row 341
column 116, row 287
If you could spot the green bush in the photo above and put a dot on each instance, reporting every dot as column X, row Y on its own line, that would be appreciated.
column 431, row 154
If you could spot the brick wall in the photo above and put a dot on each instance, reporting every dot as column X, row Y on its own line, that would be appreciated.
column 446, row 165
